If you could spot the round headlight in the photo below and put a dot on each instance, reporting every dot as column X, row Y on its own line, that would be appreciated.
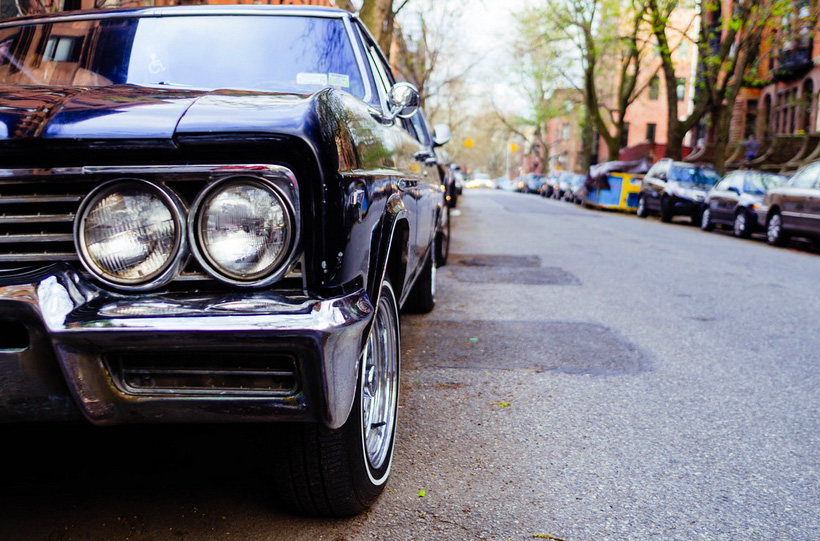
column 243, row 229
column 128, row 232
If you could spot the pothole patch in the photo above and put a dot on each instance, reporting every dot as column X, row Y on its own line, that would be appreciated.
column 540, row 276
column 492, row 260
column 507, row 269
column 572, row 348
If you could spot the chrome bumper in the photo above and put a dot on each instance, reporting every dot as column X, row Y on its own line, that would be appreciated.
column 73, row 326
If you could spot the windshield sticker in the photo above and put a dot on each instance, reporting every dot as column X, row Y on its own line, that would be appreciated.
column 319, row 79
column 337, row 79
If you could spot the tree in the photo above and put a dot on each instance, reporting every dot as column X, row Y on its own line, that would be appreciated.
column 603, row 37
column 379, row 16
column 728, row 39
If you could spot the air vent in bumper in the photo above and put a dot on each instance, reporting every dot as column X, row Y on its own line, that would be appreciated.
column 204, row 374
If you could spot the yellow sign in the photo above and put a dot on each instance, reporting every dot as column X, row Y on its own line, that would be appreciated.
column 514, row 147
column 468, row 143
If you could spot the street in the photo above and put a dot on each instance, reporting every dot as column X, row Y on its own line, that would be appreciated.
column 584, row 375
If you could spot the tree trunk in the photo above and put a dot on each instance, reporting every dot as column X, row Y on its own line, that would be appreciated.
column 347, row 5
column 377, row 15
column 722, row 120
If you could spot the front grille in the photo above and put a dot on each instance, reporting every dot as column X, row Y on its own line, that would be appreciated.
column 37, row 221
column 204, row 373
column 37, row 212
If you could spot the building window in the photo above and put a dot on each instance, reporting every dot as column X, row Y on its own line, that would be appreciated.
column 654, row 88
column 650, row 132
column 625, row 136
column 565, row 132
column 680, row 87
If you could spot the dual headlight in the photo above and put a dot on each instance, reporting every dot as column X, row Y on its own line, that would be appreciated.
column 134, row 234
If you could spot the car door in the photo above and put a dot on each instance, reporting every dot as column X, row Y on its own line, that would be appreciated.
column 717, row 199
column 428, row 190
column 409, row 170
column 730, row 197
column 654, row 184
column 813, row 210
column 796, row 201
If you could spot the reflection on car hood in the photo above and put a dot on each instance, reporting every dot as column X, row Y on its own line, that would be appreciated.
column 131, row 112
column 695, row 186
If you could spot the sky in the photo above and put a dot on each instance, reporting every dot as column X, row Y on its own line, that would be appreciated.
column 486, row 31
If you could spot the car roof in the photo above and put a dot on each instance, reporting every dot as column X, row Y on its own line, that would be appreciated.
column 167, row 11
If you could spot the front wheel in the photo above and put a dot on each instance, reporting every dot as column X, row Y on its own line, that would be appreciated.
column 642, row 211
column 742, row 228
column 442, row 244
column 774, row 230
column 341, row 472
column 706, row 219
column 422, row 297
column 666, row 210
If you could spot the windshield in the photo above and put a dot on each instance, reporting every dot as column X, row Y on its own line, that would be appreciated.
column 758, row 183
column 269, row 53
column 694, row 174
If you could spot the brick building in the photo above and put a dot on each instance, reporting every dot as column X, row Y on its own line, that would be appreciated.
column 563, row 134
column 647, row 119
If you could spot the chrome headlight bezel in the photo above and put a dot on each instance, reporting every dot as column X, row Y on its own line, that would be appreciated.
column 169, row 270
column 281, row 264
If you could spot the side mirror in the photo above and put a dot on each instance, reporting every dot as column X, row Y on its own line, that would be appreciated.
column 404, row 100
column 441, row 134
column 662, row 176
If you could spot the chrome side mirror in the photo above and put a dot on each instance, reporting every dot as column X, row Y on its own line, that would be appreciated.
column 404, row 100
column 441, row 134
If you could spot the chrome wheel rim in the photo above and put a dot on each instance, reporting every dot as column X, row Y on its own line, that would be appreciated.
column 773, row 232
column 740, row 224
column 704, row 219
column 640, row 205
column 380, row 387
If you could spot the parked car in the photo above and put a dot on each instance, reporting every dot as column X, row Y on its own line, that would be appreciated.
column 673, row 188
column 506, row 184
column 562, row 184
column 736, row 199
column 793, row 209
column 549, row 181
column 200, row 237
column 458, row 179
column 534, row 182
column 575, row 191
column 480, row 180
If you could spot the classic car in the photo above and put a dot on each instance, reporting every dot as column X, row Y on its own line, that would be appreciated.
column 214, row 214
column 673, row 188
column 793, row 209
column 736, row 199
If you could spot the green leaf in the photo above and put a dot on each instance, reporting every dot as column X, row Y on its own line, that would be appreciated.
column 422, row 492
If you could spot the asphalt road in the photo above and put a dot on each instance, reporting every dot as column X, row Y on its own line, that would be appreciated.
column 585, row 375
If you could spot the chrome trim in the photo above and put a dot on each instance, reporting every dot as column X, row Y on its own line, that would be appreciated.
column 29, row 258
column 277, row 269
column 9, row 238
column 72, row 317
column 36, row 218
column 146, row 170
column 179, row 11
column 175, row 262
column 357, row 53
column 23, row 199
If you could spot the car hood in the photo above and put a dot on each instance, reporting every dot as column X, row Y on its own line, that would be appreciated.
column 130, row 112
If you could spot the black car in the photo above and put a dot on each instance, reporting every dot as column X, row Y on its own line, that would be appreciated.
column 673, row 188
column 793, row 209
column 736, row 200
column 198, row 226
